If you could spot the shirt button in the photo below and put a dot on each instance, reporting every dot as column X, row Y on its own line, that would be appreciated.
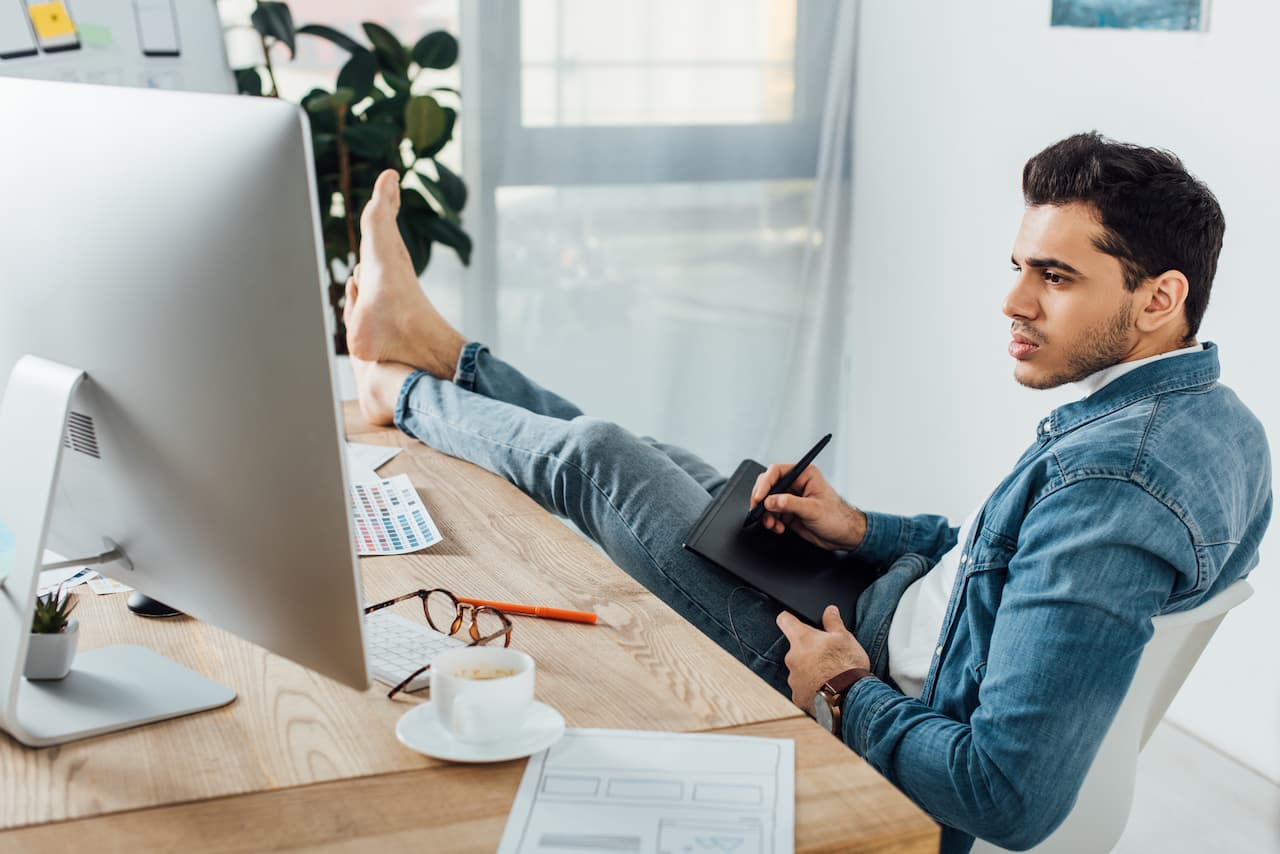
column 938, row 651
column 964, row 558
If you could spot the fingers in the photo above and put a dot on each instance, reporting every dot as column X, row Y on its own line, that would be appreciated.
column 809, row 481
column 791, row 626
column 786, row 504
column 766, row 480
column 831, row 619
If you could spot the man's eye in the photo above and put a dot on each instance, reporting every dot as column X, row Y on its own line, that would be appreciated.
column 1053, row 278
column 1015, row 268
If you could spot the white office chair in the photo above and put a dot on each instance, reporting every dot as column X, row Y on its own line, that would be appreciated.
column 1102, row 809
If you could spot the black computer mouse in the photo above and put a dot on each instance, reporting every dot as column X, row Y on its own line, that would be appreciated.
column 144, row 606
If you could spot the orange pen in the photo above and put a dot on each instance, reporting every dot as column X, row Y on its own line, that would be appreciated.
column 536, row 611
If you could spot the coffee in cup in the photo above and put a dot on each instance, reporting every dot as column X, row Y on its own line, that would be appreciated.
column 482, row 694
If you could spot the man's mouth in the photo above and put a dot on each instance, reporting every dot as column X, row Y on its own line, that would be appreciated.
column 1022, row 347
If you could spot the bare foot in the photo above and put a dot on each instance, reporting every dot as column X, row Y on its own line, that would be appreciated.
column 379, row 385
column 389, row 318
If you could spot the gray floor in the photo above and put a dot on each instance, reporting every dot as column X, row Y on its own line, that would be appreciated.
column 1191, row 799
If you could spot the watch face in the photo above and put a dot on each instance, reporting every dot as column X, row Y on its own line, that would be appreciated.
column 821, row 710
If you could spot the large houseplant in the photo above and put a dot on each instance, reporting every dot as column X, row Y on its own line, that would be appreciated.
column 379, row 115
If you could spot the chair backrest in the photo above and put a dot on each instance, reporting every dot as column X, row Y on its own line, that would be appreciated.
column 1098, row 818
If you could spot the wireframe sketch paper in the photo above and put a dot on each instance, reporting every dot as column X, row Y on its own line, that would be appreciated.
column 671, row 793
column 390, row 519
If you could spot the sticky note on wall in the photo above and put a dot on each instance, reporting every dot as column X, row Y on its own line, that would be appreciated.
column 54, row 27
column 16, row 38
column 157, row 27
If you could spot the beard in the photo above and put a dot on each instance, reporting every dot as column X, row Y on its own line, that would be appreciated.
column 1100, row 346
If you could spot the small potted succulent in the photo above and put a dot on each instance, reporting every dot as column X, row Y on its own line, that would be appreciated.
column 52, row 645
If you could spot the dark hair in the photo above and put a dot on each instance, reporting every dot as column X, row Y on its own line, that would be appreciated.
column 1156, row 216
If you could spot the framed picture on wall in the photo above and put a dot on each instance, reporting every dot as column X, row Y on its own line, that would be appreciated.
column 1131, row 14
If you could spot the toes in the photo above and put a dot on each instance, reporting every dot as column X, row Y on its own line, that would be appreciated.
column 348, row 305
column 387, row 188
column 384, row 204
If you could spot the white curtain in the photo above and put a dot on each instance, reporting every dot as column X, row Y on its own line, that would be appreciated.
column 661, row 208
column 659, row 202
column 814, row 401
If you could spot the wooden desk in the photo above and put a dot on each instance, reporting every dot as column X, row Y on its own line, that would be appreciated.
column 298, row 761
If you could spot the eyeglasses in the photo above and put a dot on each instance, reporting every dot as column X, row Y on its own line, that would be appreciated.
column 446, row 615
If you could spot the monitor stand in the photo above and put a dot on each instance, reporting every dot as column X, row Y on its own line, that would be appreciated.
column 110, row 688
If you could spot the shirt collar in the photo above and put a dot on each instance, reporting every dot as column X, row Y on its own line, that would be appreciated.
column 1098, row 379
column 1144, row 378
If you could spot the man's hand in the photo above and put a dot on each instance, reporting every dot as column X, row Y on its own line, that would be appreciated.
column 812, row 509
column 817, row 655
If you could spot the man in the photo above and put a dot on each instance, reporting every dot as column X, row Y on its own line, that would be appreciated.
column 985, row 661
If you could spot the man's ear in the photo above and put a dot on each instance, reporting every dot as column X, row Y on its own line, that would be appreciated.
column 1166, row 297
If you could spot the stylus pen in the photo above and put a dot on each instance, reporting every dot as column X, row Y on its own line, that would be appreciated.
column 785, row 482
column 536, row 611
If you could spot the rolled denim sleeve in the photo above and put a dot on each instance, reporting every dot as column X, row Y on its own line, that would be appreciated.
column 890, row 537
column 1095, row 560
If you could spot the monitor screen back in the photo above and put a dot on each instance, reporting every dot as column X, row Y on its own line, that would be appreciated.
column 167, row 244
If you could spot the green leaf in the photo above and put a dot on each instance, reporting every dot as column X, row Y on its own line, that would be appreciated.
column 248, row 81
column 368, row 139
column 450, row 118
column 357, row 75
column 324, row 126
column 433, row 187
column 389, row 110
column 418, row 244
column 424, row 121
column 436, row 50
column 275, row 20
column 411, row 200
column 342, row 40
column 391, row 53
column 443, row 231
column 455, row 191
column 398, row 82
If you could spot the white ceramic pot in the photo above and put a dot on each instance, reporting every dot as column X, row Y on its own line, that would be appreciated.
column 50, row 656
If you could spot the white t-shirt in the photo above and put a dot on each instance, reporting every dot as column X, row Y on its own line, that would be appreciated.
column 915, row 631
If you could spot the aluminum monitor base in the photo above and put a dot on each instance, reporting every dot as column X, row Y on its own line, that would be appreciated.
column 109, row 689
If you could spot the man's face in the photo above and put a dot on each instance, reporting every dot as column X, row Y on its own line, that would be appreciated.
column 1071, row 313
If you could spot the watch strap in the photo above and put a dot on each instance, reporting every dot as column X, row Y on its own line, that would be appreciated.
column 840, row 685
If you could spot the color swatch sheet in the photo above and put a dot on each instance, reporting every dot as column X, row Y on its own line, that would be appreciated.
column 390, row 519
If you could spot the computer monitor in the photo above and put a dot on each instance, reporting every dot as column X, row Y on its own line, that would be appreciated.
column 167, row 375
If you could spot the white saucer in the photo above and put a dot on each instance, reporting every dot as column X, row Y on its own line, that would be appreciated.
column 420, row 729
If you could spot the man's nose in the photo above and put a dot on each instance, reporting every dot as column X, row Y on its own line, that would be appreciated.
column 1020, row 303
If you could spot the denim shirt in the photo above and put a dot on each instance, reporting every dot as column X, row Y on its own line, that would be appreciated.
column 1149, row 496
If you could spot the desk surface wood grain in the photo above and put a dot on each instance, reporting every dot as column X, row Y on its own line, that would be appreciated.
column 300, row 761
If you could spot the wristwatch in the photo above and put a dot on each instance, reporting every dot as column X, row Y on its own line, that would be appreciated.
column 830, row 697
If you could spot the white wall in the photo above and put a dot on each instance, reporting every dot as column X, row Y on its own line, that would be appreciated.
column 952, row 99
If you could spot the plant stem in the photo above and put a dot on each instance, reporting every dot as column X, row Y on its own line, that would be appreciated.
column 336, row 288
column 271, row 73
column 344, row 180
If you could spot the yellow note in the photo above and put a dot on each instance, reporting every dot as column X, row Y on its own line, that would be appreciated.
column 51, row 20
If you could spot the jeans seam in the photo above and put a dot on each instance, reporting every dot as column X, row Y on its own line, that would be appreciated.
column 598, row 489
column 465, row 375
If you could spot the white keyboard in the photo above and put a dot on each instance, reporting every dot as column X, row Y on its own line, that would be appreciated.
column 396, row 646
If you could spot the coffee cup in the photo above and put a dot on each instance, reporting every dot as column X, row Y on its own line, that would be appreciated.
column 481, row 694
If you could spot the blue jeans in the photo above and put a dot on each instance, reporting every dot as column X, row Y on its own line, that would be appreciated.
column 634, row 496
